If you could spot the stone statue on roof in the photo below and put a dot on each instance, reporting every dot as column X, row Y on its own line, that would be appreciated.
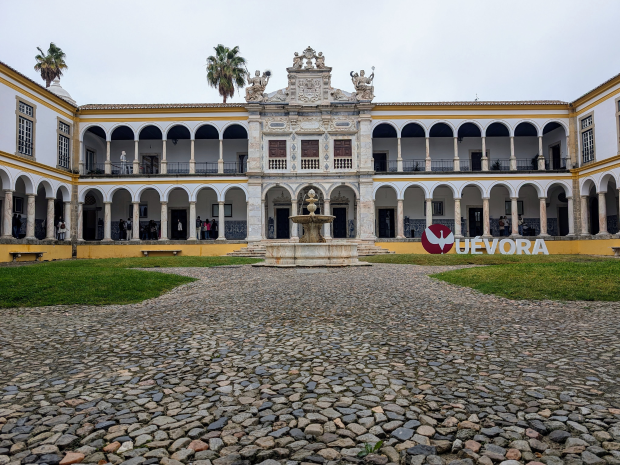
column 257, row 84
column 363, row 88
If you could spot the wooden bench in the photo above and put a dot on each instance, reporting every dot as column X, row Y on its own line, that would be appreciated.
column 38, row 255
column 146, row 252
column 616, row 251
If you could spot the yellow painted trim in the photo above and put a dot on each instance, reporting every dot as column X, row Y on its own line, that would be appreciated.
column 191, row 181
column 596, row 92
column 52, row 252
column 597, row 163
column 37, row 99
column 148, row 111
column 163, row 118
column 135, row 250
column 597, row 102
column 476, row 117
column 474, row 178
column 600, row 170
column 72, row 177
column 380, row 107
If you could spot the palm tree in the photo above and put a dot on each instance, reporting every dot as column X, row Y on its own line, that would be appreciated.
column 50, row 65
column 226, row 70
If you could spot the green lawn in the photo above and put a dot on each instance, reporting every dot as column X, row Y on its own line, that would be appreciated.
column 97, row 282
column 536, row 277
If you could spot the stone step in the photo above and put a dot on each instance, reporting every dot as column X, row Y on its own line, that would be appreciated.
column 364, row 249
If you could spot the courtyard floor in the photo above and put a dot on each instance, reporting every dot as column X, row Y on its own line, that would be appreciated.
column 248, row 365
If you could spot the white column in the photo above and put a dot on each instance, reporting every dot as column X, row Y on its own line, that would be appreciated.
column 136, row 157
column 400, row 220
column 135, row 232
column 541, row 156
column 585, row 224
column 399, row 160
column 67, row 219
column 457, row 218
column 427, row 160
column 108, row 165
column 81, row 160
column 295, row 228
column 107, row 221
column 221, row 231
column 602, row 215
column 164, row 221
column 543, row 216
column 486, row 221
column 429, row 212
column 358, row 219
column 220, row 161
column 192, row 160
column 327, row 227
column 247, row 221
column 164, row 161
column 191, row 228
column 7, row 225
column 457, row 164
column 263, row 222
column 485, row 160
column 514, row 216
column 30, row 219
column 513, row 159
column 571, row 219
column 80, row 221
column 50, row 219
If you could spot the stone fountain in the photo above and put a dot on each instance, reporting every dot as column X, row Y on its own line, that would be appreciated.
column 312, row 249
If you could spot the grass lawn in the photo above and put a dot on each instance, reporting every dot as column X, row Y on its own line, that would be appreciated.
column 536, row 277
column 97, row 282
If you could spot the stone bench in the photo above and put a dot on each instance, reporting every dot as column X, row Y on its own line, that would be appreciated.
column 38, row 255
column 616, row 251
column 146, row 252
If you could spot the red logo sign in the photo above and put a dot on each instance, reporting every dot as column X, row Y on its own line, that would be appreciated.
column 437, row 239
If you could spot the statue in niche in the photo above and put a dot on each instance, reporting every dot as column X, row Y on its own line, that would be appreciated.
column 363, row 88
column 257, row 84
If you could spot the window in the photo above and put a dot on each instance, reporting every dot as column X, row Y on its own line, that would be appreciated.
column 587, row 139
column 215, row 210
column 508, row 207
column 91, row 160
column 277, row 149
column 25, row 128
column 309, row 149
column 342, row 148
column 437, row 207
column 64, row 146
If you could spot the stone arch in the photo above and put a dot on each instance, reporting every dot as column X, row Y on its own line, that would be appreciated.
column 347, row 184
column 5, row 177
column 49, row 190
column 388, row 134
column 201, row 125
column 475, row 123
column 560, row 123
column 28, row 183
column 386, row 184
column 566, row 187
column 503, row 123
column 285, row 186
column 230, row 126
column 194, row 196
column 443, row 184
column 411, row 125
column 473, row 184
column 603, row 182
column 65, row 192
column 535, row 185
column 442, row 123
column 173, row 187
column 147, row 126
column 586, row 185
column 138, row 193
column 401, row 194
column 119, row 126
column 222, row 198
column 87, row 189
column 526, row 121
column 116, row 189
column 94, row 125
column 177, row 123
column 509, row 188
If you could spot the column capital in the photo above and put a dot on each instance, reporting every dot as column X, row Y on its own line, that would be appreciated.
column 67, row 202
column 10, row 191
column 30, row 195
column 106, row 202
column 135, row 201
column 164, row 202
column 486, row 198
column 221, row 201
column 50, row 198
column 192, row 202
column 542, row 198
column 428, row 199
column 457, row 198
column 514, row 198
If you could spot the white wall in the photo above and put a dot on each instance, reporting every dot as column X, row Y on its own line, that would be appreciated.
column 605, row 126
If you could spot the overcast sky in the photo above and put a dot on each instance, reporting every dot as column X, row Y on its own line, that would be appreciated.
column 155, row 51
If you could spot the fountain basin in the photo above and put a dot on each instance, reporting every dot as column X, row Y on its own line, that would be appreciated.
column 292, row 254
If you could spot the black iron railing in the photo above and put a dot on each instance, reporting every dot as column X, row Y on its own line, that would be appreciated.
column 442, row 165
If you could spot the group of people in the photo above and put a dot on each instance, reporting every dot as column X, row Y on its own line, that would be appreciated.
column 504, row 226
column 149, row 232
column 206, row 230
column 17, row 223
column 124, row 229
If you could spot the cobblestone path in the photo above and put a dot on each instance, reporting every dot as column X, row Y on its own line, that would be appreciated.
column 281, row 366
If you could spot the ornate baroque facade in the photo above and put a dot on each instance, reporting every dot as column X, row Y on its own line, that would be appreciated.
column 385, row 170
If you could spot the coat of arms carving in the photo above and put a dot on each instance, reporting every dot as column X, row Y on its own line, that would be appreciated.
column 309, row 90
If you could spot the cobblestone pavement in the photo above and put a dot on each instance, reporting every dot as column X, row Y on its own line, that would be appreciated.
column 283, row 366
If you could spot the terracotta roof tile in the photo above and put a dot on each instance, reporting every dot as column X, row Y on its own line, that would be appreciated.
column 145, row 106
column 478, row 103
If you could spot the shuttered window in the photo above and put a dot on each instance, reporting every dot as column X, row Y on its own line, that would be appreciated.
column 342, row 148
column 277, row 149
column 309, row 149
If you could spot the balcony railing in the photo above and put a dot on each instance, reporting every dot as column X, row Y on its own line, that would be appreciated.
column 386, row 166
column 177, row 167
column 527, row 164
column 343, row 163
column 206, row 168
column 414, row 165
column 234, row 167
column 149, row 168
column 121, row 169
column 94, row 168
column 277, row 163
column 310, row 163
column 464, row 165
column 442, row 165
column 499, row 165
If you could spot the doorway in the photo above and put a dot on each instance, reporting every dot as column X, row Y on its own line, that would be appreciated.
column 386, row 222
column 556, row 160
column 563, row 221
column 475, row 222
column 175, row 216
column 282, row 223
column 89, row 228
column 243, row 159
column 150, row 164
column 476, row 161
column 340, row 222
column 594, row 226
column 380, row 161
